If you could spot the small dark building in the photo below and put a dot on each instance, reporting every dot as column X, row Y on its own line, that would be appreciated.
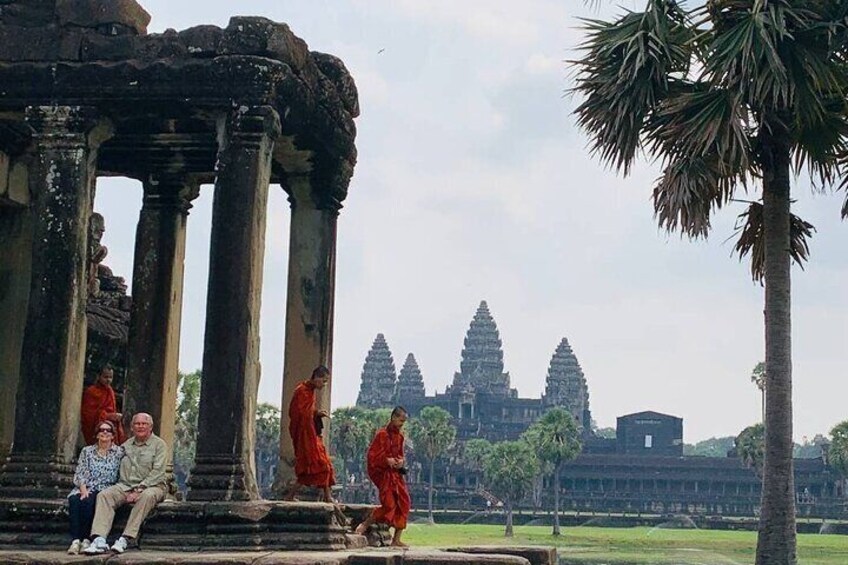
column 649, row 433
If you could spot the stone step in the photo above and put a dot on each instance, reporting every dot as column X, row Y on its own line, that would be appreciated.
column 535, row 554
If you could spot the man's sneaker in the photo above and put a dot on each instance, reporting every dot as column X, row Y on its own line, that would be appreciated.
column 99, row 545
column 120, row 545
column 86, row 543
column 74, row 549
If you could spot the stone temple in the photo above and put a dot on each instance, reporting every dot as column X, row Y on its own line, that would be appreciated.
column 641, row 470
column 480, row 399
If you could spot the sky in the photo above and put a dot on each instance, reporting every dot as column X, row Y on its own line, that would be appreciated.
column 473, row 183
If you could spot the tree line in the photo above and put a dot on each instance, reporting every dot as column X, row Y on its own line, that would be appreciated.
column 509, row 471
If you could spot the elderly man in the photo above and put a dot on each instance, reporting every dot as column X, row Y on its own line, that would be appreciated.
column 141, row 482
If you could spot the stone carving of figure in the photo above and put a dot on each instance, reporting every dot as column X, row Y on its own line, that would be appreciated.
column 96, row 252
column 102, row 283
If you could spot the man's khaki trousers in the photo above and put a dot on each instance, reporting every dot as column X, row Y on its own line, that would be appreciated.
column 114, row 497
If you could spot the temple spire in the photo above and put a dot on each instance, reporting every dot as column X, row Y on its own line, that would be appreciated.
column 566, row 385
column 482, row 364
column 378, row 376
column 410, row 383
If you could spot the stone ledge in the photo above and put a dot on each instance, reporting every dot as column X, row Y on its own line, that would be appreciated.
column 380, row 557
column 198, row 526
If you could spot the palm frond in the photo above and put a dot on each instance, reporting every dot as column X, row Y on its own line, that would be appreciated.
column 626, row 70
column 749, row 228
column 688, row 191
column 700, row 123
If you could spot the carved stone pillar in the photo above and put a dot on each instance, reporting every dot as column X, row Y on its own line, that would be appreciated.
column 224, row 467
column 15, row 264
column 53, row 351
column 154, row 337
column 309, row 307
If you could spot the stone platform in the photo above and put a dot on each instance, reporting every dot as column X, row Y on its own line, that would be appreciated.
column 383, row 556
column 203, row 526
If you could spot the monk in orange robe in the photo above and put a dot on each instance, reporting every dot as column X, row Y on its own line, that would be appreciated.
column 98, row 405
column 312, row 464
column 386, row 468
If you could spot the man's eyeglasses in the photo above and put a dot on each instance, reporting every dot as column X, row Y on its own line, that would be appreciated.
column 107, row 430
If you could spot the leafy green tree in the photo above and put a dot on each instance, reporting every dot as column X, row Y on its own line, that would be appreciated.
column 432, row 434
column 510, row 469
column 713, row 447
column 350, row 436
column 185, row 426
column 726, row 95
column 838, row 453
column 750, row 447
column 267, row 444
column 555, row 439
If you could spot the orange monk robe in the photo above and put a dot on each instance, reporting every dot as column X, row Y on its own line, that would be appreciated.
column 311, row 463
column 394, row 498
column 98, row 401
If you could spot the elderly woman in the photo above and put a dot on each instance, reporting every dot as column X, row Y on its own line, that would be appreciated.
column 97, row 469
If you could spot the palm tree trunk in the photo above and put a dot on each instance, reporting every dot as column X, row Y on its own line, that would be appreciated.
column 430, row 495
column 508, row 530
column 776, row 542
column 556, row 531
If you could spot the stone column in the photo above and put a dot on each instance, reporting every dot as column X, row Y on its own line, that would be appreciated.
column 309, row 306
column 224, row 467
column 53, row 350
column 15, row 264
column 154, row 337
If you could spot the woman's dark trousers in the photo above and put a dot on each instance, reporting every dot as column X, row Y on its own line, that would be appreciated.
column 81, row 513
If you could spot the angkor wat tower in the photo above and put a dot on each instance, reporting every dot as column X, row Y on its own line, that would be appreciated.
column 410, row 383
column 481, row 368
column 378, row 376
column 566, row 385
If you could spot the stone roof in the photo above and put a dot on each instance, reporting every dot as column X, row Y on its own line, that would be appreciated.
column 163, row 93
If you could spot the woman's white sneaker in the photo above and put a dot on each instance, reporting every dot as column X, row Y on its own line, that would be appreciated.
column 75, row 547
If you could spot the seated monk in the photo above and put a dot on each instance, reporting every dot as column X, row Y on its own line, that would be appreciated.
column 312, row 464
column 386, row 470
column 98, row 405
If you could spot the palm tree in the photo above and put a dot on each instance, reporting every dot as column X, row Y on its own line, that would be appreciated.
column 731, row 93
column 349, row 437
column 555, row 438
column 510, row 469
column 432, row 434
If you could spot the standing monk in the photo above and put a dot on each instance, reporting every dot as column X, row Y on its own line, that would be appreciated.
column 98, row 405
column 311, row 463
column 386, row 470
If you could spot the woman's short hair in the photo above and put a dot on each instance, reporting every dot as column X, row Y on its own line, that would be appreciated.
column 100, row 423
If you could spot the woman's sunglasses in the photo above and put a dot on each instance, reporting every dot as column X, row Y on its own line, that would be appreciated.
column 107, row 430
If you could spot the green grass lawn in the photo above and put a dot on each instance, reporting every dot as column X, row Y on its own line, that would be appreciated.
column 632, row 546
